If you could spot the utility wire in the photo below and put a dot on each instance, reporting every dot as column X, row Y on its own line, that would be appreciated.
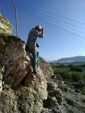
column 53, row 17
column 61, row 16
column 59, row 19
column 50, row 23
column 68, row 26
column 55, row 14
column 55, row 25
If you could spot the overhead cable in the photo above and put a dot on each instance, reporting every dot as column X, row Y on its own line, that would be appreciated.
column 55, row 25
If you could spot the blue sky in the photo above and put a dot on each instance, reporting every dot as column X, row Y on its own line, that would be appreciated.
column 63, row 21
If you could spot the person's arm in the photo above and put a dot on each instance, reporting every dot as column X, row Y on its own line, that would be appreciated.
column 38, row 34
column 42, row 33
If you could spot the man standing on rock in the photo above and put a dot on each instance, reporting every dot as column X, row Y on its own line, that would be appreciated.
column 38, row 31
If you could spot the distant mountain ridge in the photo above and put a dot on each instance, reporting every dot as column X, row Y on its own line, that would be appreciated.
column 70, row 59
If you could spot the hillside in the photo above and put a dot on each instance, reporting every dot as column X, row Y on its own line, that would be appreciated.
column 70, row 59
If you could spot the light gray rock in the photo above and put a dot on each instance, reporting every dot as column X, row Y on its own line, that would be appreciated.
column 5, row 26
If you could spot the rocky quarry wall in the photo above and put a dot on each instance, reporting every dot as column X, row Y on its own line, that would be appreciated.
column 21, row 91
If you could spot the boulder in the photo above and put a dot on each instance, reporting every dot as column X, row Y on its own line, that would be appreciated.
column 14, row 59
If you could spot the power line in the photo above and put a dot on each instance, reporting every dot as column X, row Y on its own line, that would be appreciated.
column 50, row 23
column 55, row 14
column 38, row 17
column 59, row 24
column 62, row 16
column 60, row 20
column 55, row 25
column 70, row 27
column 55, row 18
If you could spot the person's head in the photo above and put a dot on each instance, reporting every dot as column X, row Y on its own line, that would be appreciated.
column 38, row 27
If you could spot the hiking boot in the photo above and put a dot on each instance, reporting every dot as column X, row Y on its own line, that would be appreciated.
column 35, row 74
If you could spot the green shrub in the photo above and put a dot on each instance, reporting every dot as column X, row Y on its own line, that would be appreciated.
column 63, row 72
column 70, row 75
column 76, row 76
column 73, row 68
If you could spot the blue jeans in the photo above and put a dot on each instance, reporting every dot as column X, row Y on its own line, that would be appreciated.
column 35, row 54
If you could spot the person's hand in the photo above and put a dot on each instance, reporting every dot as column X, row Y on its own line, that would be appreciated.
column 43, row 29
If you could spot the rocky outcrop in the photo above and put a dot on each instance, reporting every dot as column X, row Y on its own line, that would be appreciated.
column 5, row 26
column 14, row 59
column 63, row 98
column 23, row 92
column 20, row 85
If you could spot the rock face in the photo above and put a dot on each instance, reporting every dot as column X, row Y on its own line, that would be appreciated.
column 5, row 26
column 25, row 93
column 16, row 66
column 14, row 59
